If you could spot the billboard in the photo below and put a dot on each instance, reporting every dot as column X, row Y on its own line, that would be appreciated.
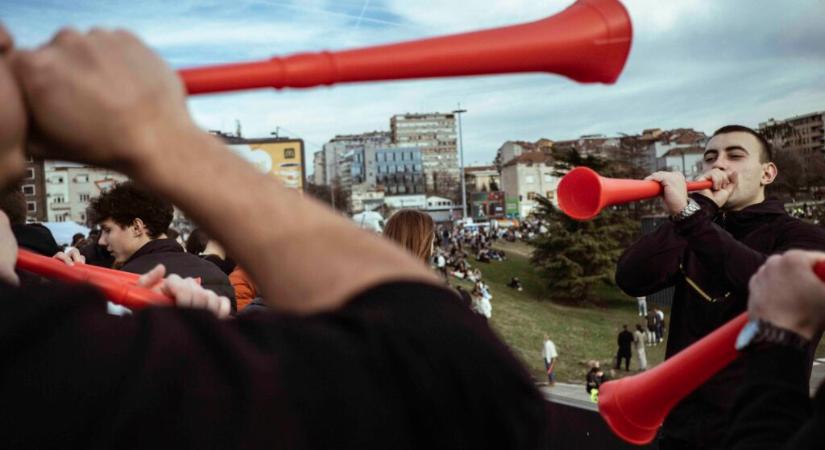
column 487, row 204
column 283, row 158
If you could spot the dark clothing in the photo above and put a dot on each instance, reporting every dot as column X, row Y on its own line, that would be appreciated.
column 400, row 366
column 35, row 237
column 97, row 255
column 718, row 252
column 625, row 340
column 226, row 265
column 772, row 409
column 169, row 253
column 594, row 380
column 256, row 305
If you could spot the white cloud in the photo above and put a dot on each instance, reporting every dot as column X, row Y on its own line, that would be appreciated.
column 699, row 63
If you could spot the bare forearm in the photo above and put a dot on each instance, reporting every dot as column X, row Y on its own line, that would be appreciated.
column 303, row 257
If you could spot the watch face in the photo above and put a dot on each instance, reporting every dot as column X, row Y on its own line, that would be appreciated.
column 746, row 335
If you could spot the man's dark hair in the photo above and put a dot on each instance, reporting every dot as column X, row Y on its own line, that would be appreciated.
column 13, row 203
column 767, row 150
column 196, row 243
column 126, row 202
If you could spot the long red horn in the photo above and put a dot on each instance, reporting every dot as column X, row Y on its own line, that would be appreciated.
column 587, row 42
column 629, row 405
column 582, row 193
column 118, row 287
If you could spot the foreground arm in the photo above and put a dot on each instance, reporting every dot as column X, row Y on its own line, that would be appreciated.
column 302, row 256
column 773, row 409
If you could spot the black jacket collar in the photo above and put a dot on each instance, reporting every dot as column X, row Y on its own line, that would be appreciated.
column 157, row 246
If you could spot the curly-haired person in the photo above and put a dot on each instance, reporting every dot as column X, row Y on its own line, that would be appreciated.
column 133, row 224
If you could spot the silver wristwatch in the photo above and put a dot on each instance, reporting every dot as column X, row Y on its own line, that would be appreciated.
column 689, row 210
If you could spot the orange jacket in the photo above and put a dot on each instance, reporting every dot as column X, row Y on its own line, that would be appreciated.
column 245, row 290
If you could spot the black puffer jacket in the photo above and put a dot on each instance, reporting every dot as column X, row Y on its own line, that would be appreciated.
column 177, row 261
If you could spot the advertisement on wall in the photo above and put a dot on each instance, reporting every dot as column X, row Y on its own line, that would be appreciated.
column 487, row 204
column 511, row 207
column 283, row 158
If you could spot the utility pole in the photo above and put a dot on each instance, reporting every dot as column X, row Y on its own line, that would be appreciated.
column 458, row 112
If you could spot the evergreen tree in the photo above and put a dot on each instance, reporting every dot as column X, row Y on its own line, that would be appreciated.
column 575, row 256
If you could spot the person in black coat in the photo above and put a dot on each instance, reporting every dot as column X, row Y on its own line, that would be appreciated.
column 715, row 241
column 133, row 222
column 624, row 340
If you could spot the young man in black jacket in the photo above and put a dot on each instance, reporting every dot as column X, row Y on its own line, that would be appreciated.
column 365, row 348
column 133, row 223
column 773, row 410
column 714, row 243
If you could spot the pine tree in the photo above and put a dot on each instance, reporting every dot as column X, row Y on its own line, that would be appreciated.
column 575, row 256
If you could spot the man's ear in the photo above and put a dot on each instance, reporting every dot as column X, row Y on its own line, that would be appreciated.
column 769, row 173
column 138, row 227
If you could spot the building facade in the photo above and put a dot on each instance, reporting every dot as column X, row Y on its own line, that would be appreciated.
column 70, row 187
column 34, row 190
column 482, row 179
column 435, row 134
column 527, row 176
column 328, row 161
column 802, row 134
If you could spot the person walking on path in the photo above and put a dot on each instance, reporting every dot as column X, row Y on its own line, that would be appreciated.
column 550, row 356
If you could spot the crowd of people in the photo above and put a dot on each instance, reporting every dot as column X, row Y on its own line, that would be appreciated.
column 358, row 343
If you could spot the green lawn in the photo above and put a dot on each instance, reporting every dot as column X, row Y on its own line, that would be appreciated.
column 581, row 333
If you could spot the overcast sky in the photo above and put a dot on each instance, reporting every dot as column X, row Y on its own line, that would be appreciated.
column 694, row 63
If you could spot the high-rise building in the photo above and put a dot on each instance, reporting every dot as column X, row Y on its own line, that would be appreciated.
column 435, row 134
column 328, row 161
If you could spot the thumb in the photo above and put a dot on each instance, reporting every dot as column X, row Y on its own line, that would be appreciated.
column 153, row 277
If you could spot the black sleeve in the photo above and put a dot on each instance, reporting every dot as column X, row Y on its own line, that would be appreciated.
column 715, row 247
column 403, row 365
column 651, row 263
column 772, row 409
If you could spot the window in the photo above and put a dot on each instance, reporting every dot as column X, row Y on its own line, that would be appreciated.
column 83, row 178
column 531, row 195
column 289, row 153
column 84, row 197
column 31, row 206
column 529, row 179
column 30, row 173
column 28, row 189
column 551, row 195
column 548, row 178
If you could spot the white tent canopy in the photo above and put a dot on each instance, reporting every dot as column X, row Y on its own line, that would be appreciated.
column 63, row 231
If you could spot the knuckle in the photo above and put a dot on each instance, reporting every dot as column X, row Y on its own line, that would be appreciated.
column 66, row 35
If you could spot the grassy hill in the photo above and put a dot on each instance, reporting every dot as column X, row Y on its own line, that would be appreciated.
column 580, row 332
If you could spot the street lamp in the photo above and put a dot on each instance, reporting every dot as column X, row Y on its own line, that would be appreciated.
column 458, row 112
